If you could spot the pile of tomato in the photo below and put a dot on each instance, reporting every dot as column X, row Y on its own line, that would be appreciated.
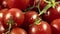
column 29, row 16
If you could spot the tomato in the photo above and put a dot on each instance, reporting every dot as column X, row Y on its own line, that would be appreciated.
column 17, row 17
column 18, row 31
column 30, row 17
column 52, row 13
column 2, row 29
column 41, row 28
column 55, row 25
column 2, row 12
column 21, row 4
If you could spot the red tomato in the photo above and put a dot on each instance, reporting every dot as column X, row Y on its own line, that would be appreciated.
column 18, row 31
column 41, row 28
column 30, row 17
column 17, row 17
column 55, row 25
column 2, row 12
column 52, row 13
column 2, row 29
column 21, row 4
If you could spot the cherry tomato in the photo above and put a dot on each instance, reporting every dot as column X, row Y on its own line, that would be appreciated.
column 30, row 17
column 52, row 13
column 41, row 28
column 21, row 4
column 17, row 17
column 55, row 25
column 2, row 29
column 2, row 12
column 18, row 31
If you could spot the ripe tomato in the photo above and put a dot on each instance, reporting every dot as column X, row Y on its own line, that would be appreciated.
column 2, row 29
column 2, row 12
column 30, row 17
column 21, row 4
column 41, row 28
column 17, row 17
column 52, row 13
column 18, row 31
column 55, row 25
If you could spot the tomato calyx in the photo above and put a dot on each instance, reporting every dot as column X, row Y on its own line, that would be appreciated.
column 37, row 21
column 10, row 25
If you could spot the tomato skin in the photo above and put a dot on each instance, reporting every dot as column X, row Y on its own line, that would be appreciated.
column 17, row 17
column 30, row 17
column 21, row 4
column 52, row 13
column 18, row 31
column 2, row 29
column 41, row 28
column 55, row 25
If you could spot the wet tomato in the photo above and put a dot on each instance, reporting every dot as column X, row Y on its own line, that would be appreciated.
column 18, row 31
column 17, row 17
column 21, row 4
column 2, row 29
column 30, row 17
column 41, row 28
column 55, row 25
column 52, row 13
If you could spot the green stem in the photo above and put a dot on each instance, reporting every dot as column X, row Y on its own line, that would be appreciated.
column 53, row 3
column 47, row 1
column 37, row 21
column 10, row 25
column 45, row 9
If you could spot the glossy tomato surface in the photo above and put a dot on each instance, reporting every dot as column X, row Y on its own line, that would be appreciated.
column 2, row 29
column 21, row 4
column 55, row 25
column 30, row 17
column 52, row 13
column 16, row 15
column 18, row 31
column 41, row 28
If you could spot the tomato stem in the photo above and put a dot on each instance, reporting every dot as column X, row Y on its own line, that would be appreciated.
column 47, row 1
column 37, row 21
column 58, row 2
column 45, row 9
column 53, row 3
column 10, row 25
